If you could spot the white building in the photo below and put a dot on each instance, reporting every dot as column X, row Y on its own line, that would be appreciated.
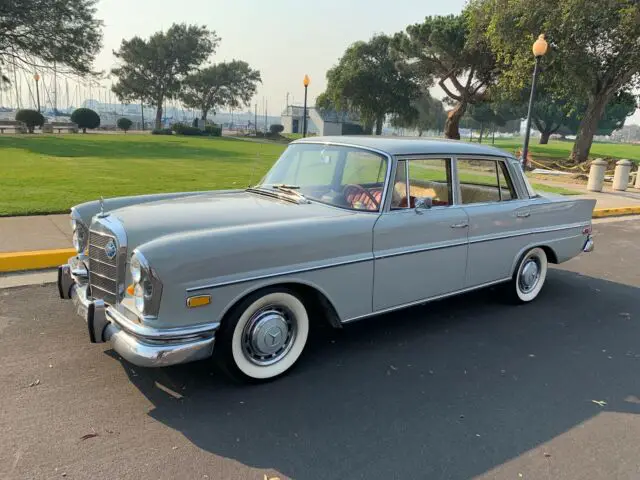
column 319, row 122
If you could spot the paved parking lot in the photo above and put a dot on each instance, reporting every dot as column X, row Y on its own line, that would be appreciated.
column 457, row 389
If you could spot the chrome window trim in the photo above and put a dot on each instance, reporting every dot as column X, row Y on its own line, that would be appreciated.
column 425, row 300
column 385, row 186
column 373, row 258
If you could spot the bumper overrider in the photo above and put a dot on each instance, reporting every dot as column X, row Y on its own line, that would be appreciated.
column 139, row 344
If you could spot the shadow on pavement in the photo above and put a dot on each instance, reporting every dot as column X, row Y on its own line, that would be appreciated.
column 449, row 390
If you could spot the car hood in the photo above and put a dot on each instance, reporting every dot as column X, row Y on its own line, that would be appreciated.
column 148, row 221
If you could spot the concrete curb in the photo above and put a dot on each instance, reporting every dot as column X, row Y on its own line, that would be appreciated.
column 18, row 261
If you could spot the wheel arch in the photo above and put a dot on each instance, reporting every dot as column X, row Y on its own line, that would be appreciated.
column 552, row 256
column 313, row 297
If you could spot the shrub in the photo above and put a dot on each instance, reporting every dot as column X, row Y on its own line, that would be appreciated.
column 276, row 128
column 124, row 124
column 85, row 118
column 184, row 129
column 352, row 129
column 161, row 131
column 213, row 130
column 31, row 118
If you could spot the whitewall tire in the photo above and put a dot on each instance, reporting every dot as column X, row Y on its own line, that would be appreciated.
column 263, row 337
column 529, row 276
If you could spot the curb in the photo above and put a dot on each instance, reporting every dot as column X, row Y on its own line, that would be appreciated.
column 17, row 261
column 615, row 212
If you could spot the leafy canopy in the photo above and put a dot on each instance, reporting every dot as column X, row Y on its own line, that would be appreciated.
column 231, row 84
column 33, row 32
column 366, row 81
column 31, row 118
column 85, row 118
column 124, row 123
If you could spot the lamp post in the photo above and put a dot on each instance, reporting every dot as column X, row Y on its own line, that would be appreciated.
column 36, row 77
column 305, row 82
column 539, row 50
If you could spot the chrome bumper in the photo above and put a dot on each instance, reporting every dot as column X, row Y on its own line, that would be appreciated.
column 139, row 344
column 589, row 245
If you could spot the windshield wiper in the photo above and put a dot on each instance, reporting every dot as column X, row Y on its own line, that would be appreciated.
column 292, row 189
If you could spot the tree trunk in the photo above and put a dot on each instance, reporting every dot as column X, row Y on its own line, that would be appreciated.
column 481, row 132
column 588, row 127
column 159, row 115
column 379, row 122
column 452, row 124
column 84, row 130
column 544, row 137
column 493, row 137
column 204, row 116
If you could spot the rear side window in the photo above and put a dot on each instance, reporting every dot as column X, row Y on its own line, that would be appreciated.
column 483, row 181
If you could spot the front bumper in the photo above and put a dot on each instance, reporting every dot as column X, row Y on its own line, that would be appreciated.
column 139, row 344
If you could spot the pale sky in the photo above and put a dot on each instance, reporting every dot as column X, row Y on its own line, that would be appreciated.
column 284, row 39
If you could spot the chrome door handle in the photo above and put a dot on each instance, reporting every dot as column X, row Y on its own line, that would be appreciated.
column 460, row 225
column 523, row 214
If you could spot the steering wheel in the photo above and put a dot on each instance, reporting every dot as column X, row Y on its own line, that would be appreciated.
column 359, row 189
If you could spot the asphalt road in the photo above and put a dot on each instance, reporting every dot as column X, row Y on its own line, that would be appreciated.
column 458, row 389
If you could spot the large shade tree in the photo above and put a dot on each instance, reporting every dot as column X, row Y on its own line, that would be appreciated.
column 152, row 70
column 366, row 81
column 37, row 33
column 595, row 50
column 228, row 84
column 431, row 115
column 441, row 51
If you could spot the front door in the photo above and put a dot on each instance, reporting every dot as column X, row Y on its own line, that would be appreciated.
column 419, row 254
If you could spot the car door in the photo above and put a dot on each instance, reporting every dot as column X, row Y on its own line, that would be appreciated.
column 498, row 219
column 419, row 253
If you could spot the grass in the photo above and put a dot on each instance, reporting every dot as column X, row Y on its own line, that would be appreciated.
column 42, row 174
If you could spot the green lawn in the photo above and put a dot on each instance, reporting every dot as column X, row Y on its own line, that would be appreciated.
column 48, row 174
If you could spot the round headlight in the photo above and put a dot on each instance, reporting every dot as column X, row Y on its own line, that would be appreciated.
column 136, row 270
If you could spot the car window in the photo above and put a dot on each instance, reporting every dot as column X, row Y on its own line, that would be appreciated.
column 484, row 181
column 346, row 177
column 428, row 178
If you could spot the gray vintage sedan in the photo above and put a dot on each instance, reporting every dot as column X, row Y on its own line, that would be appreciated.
column 340, row 229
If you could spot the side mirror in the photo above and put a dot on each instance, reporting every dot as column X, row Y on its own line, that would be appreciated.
column 423, row 203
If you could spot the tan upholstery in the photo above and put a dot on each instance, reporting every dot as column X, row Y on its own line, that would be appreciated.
column 478, row 194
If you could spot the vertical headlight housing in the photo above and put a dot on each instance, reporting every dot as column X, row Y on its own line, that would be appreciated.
column 80, row 232
column 147, row 287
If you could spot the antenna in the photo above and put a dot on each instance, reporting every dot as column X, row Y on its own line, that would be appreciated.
column 253, row 170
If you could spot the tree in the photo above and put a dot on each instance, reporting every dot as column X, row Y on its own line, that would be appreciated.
column 276, row 129
column 440, row 50
column 124, row 124
column 431, row 115
column 31, row 118
column 65, row 32
column 366, row 81
column 152, row 70
column 85, row 118
column 231, row 84
column 593, row 55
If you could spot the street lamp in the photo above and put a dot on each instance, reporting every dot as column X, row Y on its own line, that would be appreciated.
column 539, row 50
column 36, row 77
column 305, row 82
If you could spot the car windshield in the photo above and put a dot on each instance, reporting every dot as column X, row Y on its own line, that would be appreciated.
column 341, row 176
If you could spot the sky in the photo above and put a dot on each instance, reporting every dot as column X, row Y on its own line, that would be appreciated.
column 283, row 39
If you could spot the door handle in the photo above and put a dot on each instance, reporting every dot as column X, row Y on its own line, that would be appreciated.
column 524, row 214
column 460, row 225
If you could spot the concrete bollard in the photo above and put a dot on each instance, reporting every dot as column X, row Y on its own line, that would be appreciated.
column 638, row 177
column 596, row 175
column 621, row 175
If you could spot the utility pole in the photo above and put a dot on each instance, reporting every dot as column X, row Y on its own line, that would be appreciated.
column 142, row 113
column 266, row 127
column 255, row 126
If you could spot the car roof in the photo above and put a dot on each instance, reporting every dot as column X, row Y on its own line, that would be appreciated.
column 408, row 145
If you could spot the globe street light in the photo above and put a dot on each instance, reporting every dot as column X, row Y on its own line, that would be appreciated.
column 36, row 77
column 305, row 82
column 539, row 50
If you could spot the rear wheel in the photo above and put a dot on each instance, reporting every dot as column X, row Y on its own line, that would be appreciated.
column 529, row 277
column 263, row 336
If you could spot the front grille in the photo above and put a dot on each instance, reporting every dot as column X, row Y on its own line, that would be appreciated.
column 103, row 271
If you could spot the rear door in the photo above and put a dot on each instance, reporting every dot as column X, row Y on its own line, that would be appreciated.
column 419, row 254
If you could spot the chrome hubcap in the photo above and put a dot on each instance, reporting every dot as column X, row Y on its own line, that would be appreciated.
column 268, row 335
column 529, row 275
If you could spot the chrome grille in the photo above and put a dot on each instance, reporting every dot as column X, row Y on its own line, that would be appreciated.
column 103, row 271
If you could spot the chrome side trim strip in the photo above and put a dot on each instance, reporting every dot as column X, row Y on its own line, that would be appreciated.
column 532, row 231
column 440, row 246
column 426, row 300
column 279, row 274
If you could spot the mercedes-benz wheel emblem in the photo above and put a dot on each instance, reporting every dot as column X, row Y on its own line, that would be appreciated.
column 110, row 249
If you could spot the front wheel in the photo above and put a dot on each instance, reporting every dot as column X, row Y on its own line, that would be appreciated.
column 263, row 336
column 529, row 277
